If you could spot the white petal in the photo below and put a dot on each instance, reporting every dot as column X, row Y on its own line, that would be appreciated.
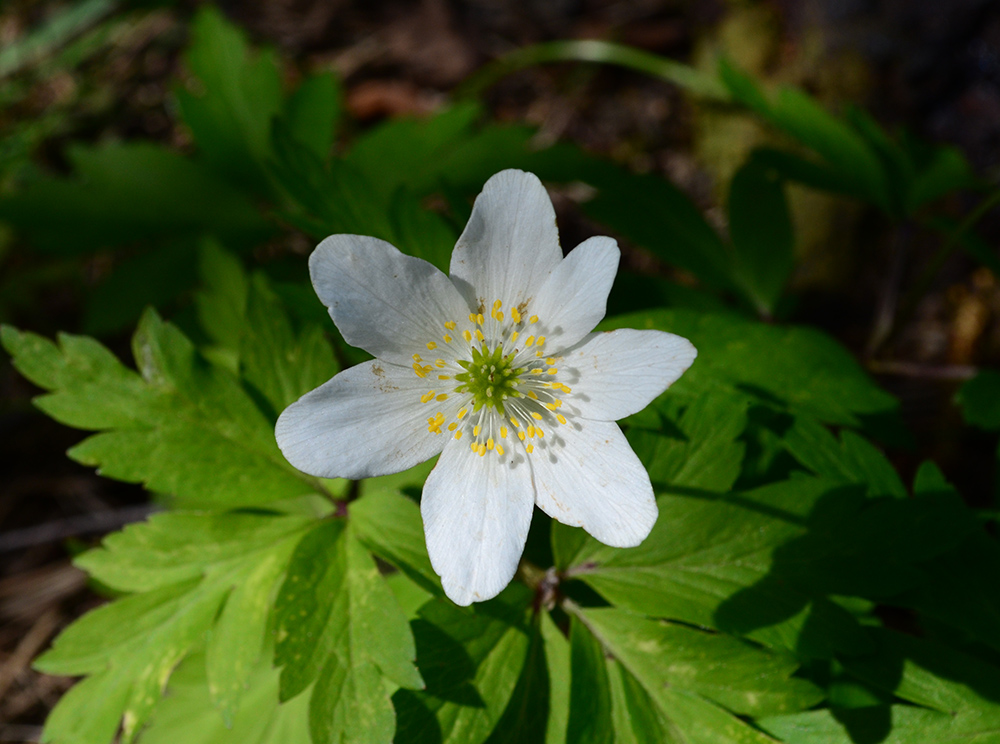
column 574, row 298
column 618, row 373
column 366, row 421
column 586, row 475
column 510, row 244
column 476, row 514
column 389, row 304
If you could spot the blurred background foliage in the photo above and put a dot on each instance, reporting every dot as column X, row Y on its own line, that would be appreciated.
column 820, row 163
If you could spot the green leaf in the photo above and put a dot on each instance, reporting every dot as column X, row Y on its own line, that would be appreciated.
column 680, row 679
column 231, row 118
column 471, row 660
column 130, row 192
column 590, row 691
column 525, row 720
column 389, row 525
column 799, row 116
column 338, row 626
column 186, row 715
column 852, row 460
column 739, row 677
column 132, row 645
column 945, row 171
column 179, row 411
column 980, row 400
column 221, row 302
column 656, row 215
column 799, row 369
column 760, row 228
column 313, row 111
column 557, row 659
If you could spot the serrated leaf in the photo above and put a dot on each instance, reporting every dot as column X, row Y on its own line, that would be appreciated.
column 231, row 119
column 796, row 368
column 338, row 625
column 313, row 111
column 471, row 660
column 389, row 525
column 129, row 192
column 132, row 645
column 674, row 707
column 187, row 715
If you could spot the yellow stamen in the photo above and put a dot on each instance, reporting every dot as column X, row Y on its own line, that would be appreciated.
column 529, row 341
column 497, row 305
column 467, row 336
column 461, row 414
column 419, row 370
column 431, row 345
column 444, row 377
column 476, row 429
column 550, row 361
column 530, row 448
column 515, row 314
column 426, row 397
column 560, row 418
column 443, row 396
column 480, row 319
column 472, row 317
column 498, row 315
column 499, row 450
column 513, row 336
column 439, row 363
column 450, row 325
column 489, row 443
column 417, row 358
column 536, row 415
column 540, row 341
column 516, row 424
column 479, row 335
column 531, row 432
column 458, row 435
column 520, row 435
column 552, row 371
column 539, row 432
column 533, row 319
column 447, row 338
column 532, row 395
column 452, row 426
column 482, row 450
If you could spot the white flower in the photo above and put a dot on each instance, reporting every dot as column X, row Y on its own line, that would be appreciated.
column 496, row 369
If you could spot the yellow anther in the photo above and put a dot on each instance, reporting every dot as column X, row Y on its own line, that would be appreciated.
column 479, row 335
column 426, row 397
column 446, row 338
column 529, row 341
column 452, row 426
column 439, row 363
column 540, row 341
column 537, row 371
column 442, row 396
column 476, row 429
column 536, row 415
column 539, row 353
column 533, row 395
column 467, row 336
column 489, row 443
column 539, row 432
column 515, row 314
column 550, row 361
column 515, row 422
column 533, row 319
column 503, row 432
column 552, row 371
column 482, row 450
column 560, row 418
column 498, row 315
column 444, row 377
column 450, row 325
column 431, row 345
column 531, row 432
column 419, row 370
column 458, row 435
column 520, row 435
column 480, row 319
column 461, row 414
column 513, row 336
column 497, row 304
column 472, row 317
column 530, row 448
column 551, row 406
column 417, row 358
column 499, row 450
column 473, row 446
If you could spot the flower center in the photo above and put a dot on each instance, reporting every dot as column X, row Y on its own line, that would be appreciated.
column 490, row 377
column 495, row 382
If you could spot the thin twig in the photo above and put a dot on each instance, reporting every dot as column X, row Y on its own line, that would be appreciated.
column 83, row 524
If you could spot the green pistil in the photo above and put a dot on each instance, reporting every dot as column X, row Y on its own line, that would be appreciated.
column 490, row 378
